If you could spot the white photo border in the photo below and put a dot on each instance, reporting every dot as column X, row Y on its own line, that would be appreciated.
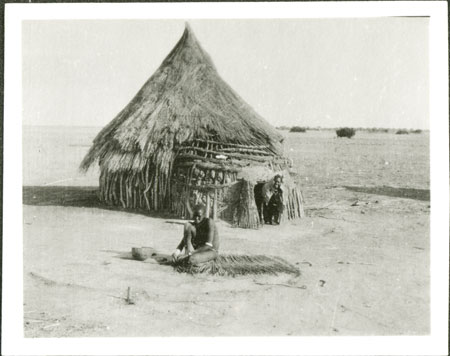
column 13, row 340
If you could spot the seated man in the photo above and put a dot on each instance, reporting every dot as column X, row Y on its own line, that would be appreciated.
column 200, row 239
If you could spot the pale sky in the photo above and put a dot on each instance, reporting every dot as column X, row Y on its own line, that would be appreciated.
column 370, row 72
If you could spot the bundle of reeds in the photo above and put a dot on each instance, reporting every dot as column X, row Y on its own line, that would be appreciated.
column 235, row 265
column 245, row 212
column 294, row 204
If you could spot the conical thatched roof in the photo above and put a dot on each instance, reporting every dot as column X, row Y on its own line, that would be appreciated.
column 185, row 99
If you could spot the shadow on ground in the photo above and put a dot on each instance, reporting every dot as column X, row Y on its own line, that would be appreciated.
column 411, row 193
column 69, row 196
column 63, row 196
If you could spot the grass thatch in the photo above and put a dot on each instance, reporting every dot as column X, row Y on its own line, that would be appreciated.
column 235, row 265
column 185, row 99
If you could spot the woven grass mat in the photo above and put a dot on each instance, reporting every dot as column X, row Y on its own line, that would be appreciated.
column 235, row 265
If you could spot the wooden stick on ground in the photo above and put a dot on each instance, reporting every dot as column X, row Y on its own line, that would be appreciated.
column 279, row 284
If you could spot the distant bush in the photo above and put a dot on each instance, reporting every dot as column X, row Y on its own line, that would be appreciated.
column 282, row 128
column 416, row 131
column 378, row 129
column 297, row 129
column 345, row 132
column 402, row 132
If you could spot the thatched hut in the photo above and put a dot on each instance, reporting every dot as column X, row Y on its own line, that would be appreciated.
column 187, row 137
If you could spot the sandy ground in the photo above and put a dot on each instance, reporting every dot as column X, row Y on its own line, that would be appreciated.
column 363, row 250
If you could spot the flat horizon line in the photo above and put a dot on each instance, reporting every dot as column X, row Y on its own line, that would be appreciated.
column 276, row 127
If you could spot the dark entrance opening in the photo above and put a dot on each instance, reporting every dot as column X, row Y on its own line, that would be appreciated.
column 259, row 200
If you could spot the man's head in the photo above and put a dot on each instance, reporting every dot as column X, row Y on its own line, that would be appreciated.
column 277, row 181
column 199, row 212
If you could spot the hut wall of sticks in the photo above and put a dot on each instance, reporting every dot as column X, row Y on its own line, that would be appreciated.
column 185, row 138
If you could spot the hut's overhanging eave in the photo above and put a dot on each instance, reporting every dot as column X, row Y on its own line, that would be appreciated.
column 185, row 99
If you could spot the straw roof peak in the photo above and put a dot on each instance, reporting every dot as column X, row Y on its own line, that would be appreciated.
column 188, row 49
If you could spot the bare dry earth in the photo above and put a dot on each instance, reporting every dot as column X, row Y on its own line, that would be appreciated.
column 363, row 249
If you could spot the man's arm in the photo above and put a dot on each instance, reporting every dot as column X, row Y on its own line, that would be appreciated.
column 267, row 191
column 210, row 236
column 185, row 243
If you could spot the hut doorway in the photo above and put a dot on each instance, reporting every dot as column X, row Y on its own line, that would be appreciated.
column 259, row 200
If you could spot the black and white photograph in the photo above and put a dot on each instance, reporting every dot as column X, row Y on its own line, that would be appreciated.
column 225, row 176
